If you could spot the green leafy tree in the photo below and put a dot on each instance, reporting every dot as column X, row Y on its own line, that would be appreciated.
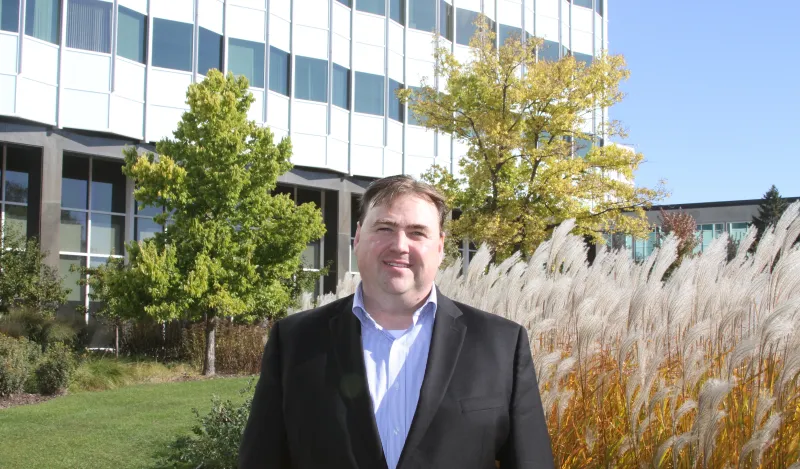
column 231, row 248
column 25, row 280
column 769, row 211
column 522, row 120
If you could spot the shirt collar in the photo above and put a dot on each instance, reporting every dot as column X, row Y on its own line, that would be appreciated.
column 431, row 304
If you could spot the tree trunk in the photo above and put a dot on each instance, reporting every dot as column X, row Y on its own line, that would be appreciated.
column 209, row 368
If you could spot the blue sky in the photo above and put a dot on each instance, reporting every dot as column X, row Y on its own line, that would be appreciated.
column 713, row 101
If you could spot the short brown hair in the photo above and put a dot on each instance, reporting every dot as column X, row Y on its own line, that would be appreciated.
column 389, row 188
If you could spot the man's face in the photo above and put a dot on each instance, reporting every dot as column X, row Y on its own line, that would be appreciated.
column 399, row 247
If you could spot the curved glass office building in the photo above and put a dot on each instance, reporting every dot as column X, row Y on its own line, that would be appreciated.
column 80, row 79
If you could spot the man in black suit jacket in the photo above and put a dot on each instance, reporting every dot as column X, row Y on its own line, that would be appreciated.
column 478, row 404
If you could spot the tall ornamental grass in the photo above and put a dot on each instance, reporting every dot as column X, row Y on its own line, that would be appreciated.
column 698, row 370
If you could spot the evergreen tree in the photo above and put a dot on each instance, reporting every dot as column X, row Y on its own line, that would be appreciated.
column 769, row 211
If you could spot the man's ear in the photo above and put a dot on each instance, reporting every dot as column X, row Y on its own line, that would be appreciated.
column 358, row 234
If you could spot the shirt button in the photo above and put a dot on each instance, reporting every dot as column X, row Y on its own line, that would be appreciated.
column 396, row 431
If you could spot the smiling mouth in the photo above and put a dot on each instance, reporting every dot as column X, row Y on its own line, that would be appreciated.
column 398, row 265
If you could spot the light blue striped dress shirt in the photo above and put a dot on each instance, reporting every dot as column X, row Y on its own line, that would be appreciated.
column 395, row 363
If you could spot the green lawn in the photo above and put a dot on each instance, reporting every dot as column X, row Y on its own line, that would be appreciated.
column 122, row 428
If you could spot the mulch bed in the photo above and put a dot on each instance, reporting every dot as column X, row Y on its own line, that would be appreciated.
column 22, row 399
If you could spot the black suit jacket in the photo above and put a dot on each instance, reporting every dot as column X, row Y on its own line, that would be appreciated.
column 479, row 401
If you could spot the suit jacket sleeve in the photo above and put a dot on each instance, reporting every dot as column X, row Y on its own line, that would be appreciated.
column 264, row 444
column 528, row 443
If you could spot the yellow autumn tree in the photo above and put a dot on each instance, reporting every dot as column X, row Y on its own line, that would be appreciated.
column 531, row 164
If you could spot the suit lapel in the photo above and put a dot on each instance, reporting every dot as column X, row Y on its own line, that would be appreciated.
column 354, row 389
column 446, row 342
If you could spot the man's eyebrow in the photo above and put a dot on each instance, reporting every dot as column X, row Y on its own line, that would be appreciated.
column 416, row 226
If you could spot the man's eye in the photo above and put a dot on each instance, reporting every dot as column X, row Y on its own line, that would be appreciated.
column 418, row 233
column 384, row 228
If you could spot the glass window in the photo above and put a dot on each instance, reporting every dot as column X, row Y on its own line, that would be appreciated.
column 210, row 54
column 146, row 228
column 107, row 233
column 108, row 186
column 344, row 2
column 341, row 87
column 582, row 147
column 41, row 19
column 16, row 218
column 247, row 58
column 131, row 35
column 71, row 279
column 412, row 118
column 279, row 71
column 311, row 79
column 598, row 6
column 9, row 15
column 509, row 32
column 147, row 211
column 369, row 93
column 422, row 15
column 397, row 10
column 72, row 232
column 465, row 26
column 549, row 51
column 395, row 106
column 446, row 20
column 89, row 25
column 377, row 7
column 172, row 44
column 738, row 231
column 75, row 182
column 16, row 178
column 583, row 3
column 585, row 58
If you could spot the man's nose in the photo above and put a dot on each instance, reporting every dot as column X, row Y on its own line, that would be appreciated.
column 400, row 241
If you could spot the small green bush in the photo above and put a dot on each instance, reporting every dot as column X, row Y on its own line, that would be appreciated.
column 18, row 358
column 214, row 443
column 52, row 375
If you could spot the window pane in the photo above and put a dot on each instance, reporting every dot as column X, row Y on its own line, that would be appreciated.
column 172, row 44
column 16, row 218
column 210, row 45
column 344, row 2
column 446, row 20
column 598, row 7
column 397, row 10
column 341, row 87
column 377, row 7
column 465, row 26
column 412, row 118
column 395, row 106
column 72, row 233
column 147, row 210
column 422, row 15
column 585, row 58
column 75, row 182
column 311, row 79
column 583, row 3
column 369, row 93
column 107, row 233
column 41, row 19
column 131, row 37
column 279, row 71
column 89, row 25
column 549, row 51
column 108, row 186
column 247, row 58
column 70, row 279
column 16, row 176
column 145, row 228
column 582, row 147
column 310, row 256
column 509, row 32
column 9, row 15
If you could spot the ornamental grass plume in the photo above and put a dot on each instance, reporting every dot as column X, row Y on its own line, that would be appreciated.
column 698, row 369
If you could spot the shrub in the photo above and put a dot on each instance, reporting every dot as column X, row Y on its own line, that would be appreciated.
column 214, row 443
column 239, row 347
column 18, row 358
column 148, row 338
column 52, row 375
